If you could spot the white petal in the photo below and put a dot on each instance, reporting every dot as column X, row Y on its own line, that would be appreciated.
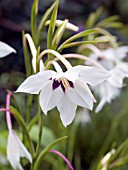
column 73, row 73
column 42, row 67
column 121, row 52
column 83, row 117
column 123, row 66
column 100, row 105
column 81, row 95
column 5, row 49
column 68, row 26
column 35, row 83
column 93, row 75
column 107, row 92
column 117, row 77
column 15, row 150
column 49, row 98
column 67, row 110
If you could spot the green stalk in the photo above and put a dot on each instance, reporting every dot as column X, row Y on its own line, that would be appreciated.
column 44, row 18
column 32, row 122
column 40, row 122
column 29, row 104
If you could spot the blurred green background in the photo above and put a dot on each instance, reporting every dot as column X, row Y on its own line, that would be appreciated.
column 106, row 129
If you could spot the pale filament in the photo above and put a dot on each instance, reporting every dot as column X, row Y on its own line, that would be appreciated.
column 65, row 83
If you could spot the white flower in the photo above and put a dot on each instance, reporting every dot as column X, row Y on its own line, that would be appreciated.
column 112, row 60
column 15, row 150
column 112, row 57
column 110, row 88
column 83, row 117
column 65, row 90
column 5, row 49
column 106, row 158
column 68, row 25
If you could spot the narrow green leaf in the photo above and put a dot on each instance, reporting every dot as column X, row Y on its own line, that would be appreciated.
column 93, row 17
column 107, row 20
column 91, row 20
column 45, row 151
column 120, row 149
column 26, row 55
column 98, row 12
column 79, row 35
column 44, row 18
column 34, row 12
column 119, row 162
column 33, row 121
column 20, row 120
column 114, row 25
column 84, row 42
column 59, row 34
column 52, row 26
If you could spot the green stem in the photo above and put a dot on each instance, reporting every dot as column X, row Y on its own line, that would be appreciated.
column 29, row 104
column 32, row 122
column 71, row 142
column 40, row 121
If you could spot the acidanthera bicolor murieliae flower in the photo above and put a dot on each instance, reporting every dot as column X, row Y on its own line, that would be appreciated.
column 112, row 60
column 5, row 49
column 65, row 90
column 15, row 148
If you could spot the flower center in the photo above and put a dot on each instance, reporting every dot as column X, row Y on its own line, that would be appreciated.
column 63, row 82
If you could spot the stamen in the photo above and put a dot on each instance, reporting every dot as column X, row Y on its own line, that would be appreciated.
column 65, row 83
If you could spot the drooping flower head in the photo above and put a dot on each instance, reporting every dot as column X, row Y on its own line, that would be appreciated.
column 15, row 148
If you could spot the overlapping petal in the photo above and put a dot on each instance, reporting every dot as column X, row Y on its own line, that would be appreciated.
column 82, row 95
column 49, row 98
